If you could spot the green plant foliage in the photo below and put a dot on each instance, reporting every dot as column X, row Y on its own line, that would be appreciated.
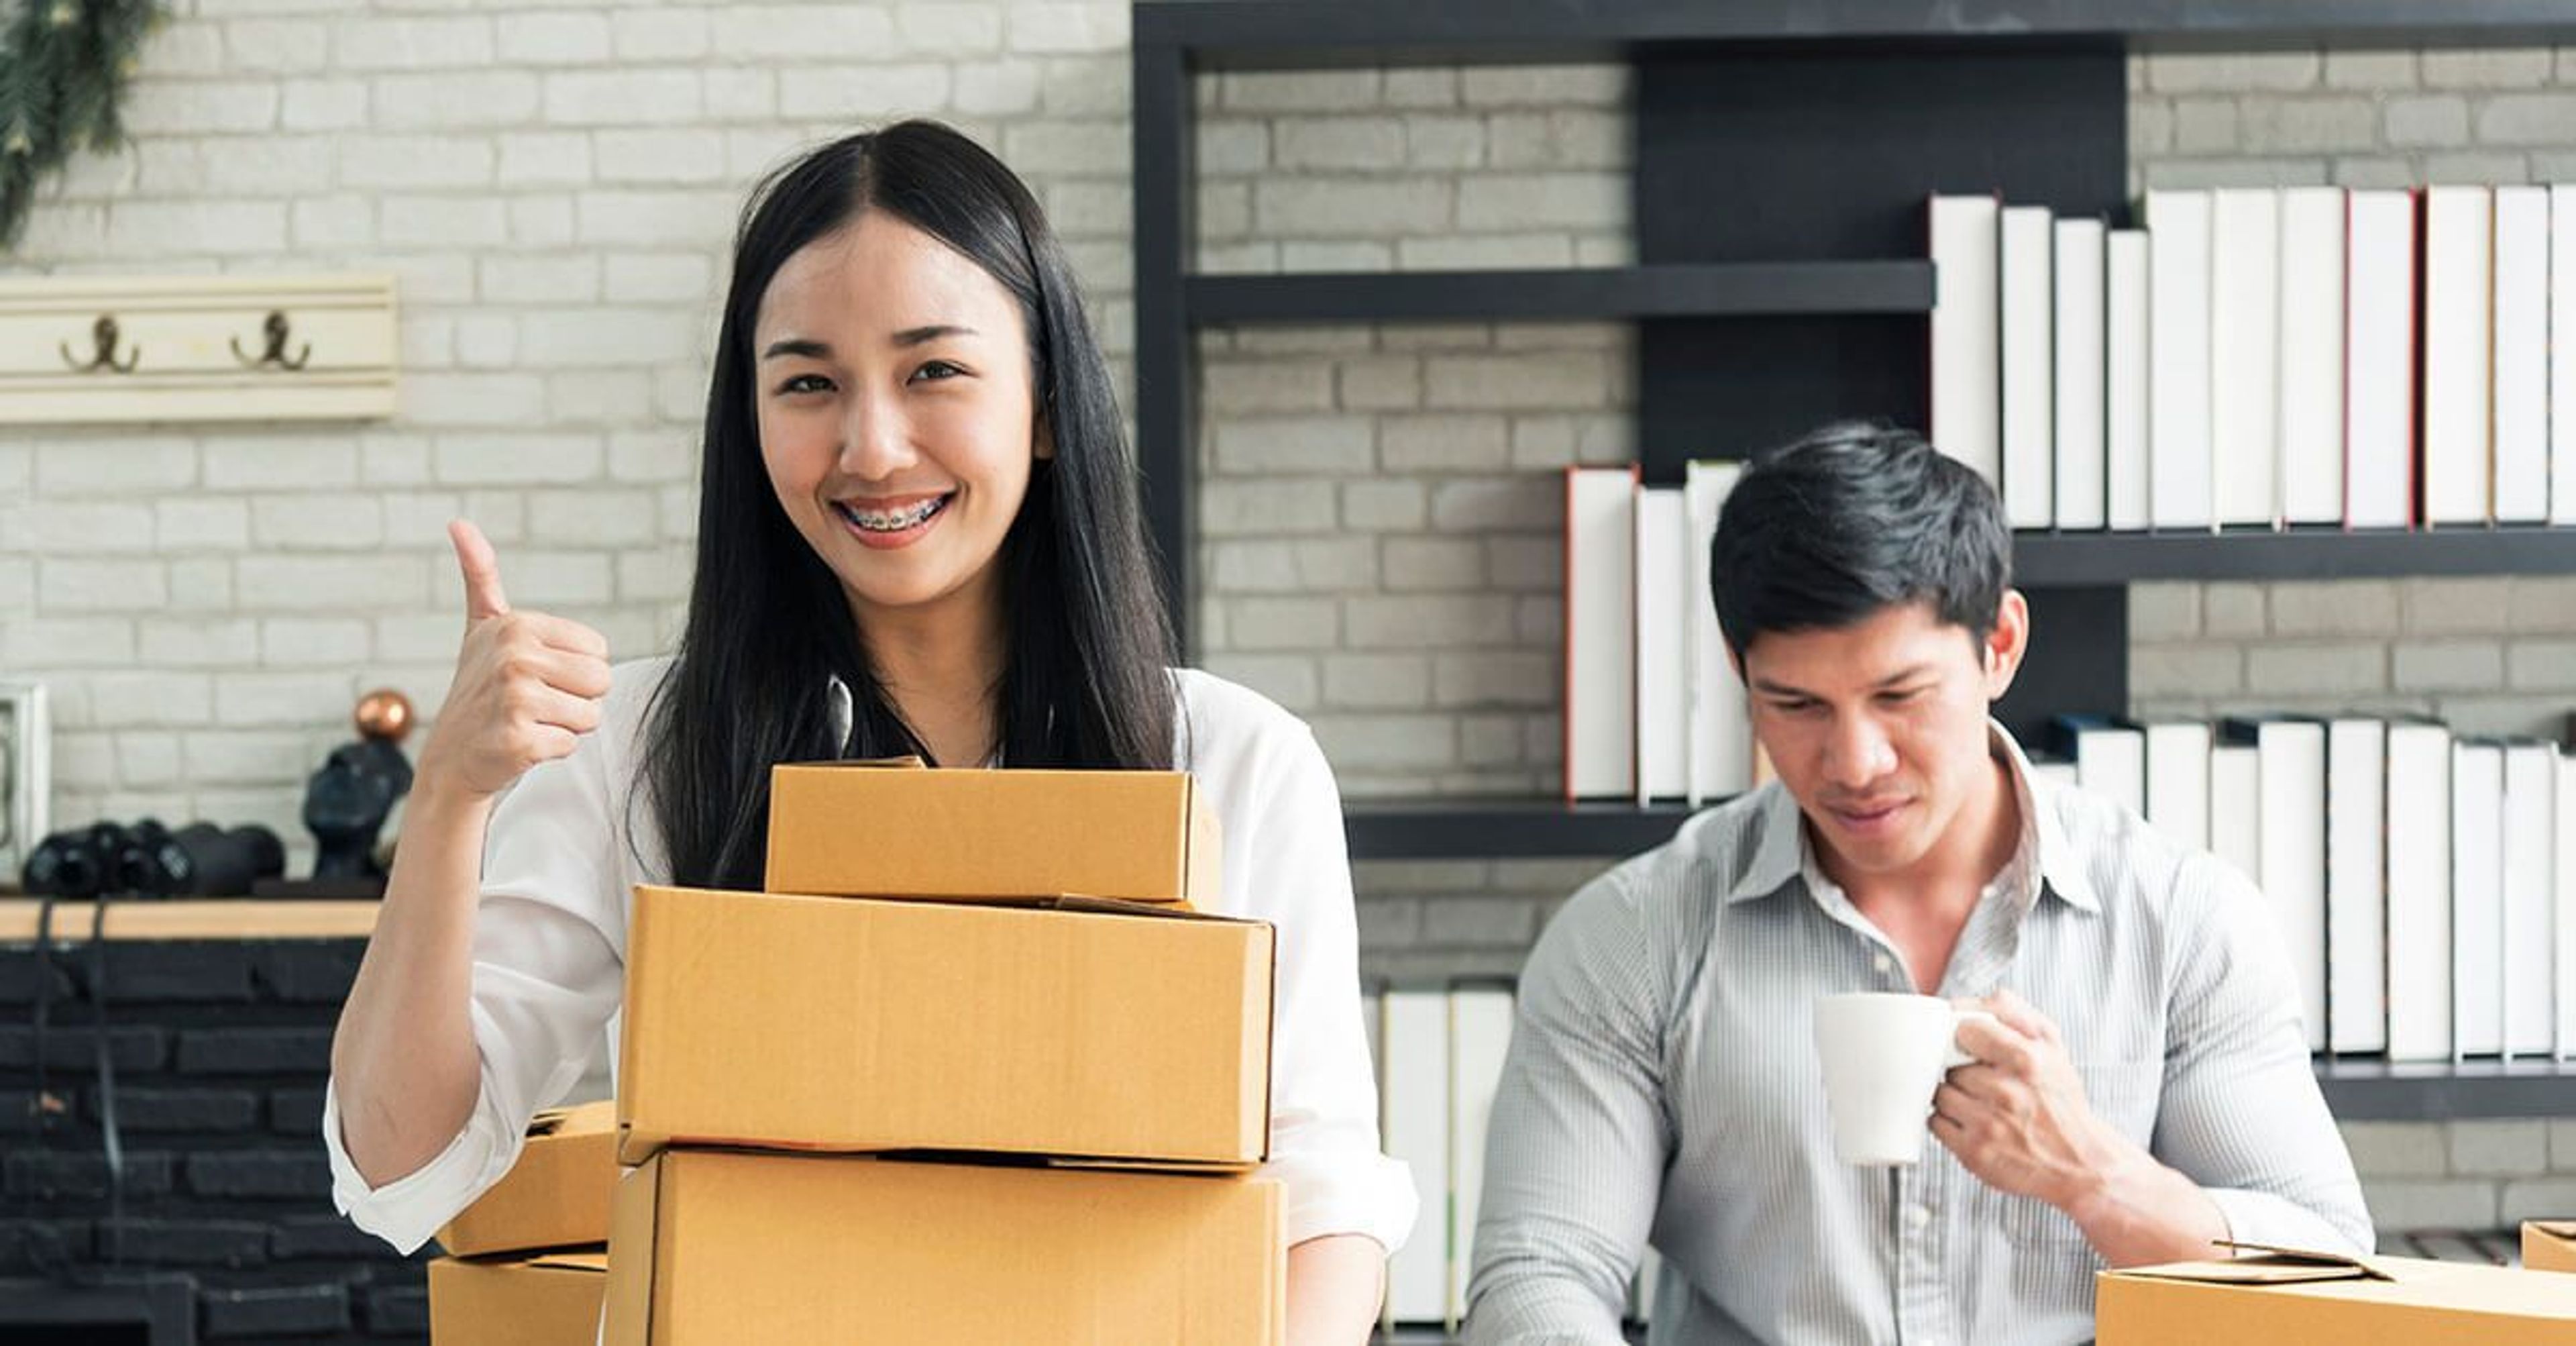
column 63, row 68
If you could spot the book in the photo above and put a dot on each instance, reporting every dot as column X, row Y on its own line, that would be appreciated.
column 2530, row 881
column 2125, row 395
column 2177, row 798
column 1600, row 632
column 1480, row 1034
column 1415, row 1103
column 2419, row 890
column 2356, row 885
column 2457, row 362
column 2312, row 355
column 1662, row 627
column 2029, row 414
column 2179, row 461
column 2477, row 898
column 1721, row 726
column 2290, row 773
column 2521, row 355
column 2110, row 756
column 2244, row 354
column 2081, row 365
column 2379, row 359
column 1967, row 331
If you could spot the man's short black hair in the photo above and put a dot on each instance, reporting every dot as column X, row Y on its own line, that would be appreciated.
column 1853, row 519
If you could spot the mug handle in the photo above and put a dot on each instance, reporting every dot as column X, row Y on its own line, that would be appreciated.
column 1953, row 1057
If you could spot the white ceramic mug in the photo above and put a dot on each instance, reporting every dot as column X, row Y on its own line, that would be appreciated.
column 1884, row 1054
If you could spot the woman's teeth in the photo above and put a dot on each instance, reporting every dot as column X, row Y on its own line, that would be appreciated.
column 892, row 520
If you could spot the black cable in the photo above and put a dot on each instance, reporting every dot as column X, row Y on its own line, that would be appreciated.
column 40, row 1117
column 111, row 1142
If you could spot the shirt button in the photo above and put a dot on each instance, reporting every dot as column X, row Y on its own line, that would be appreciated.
column 1884, row 964
column 1916, row 1218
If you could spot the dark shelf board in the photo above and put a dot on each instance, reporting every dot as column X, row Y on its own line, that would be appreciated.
column 1459, row 829
column 2065, row 560
column 2381, row 1091
column 1747, row 289
column 1323, row 33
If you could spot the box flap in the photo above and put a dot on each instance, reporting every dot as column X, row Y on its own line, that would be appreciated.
column 572, row 1261
column 634, row 1256
column 2557, row 1229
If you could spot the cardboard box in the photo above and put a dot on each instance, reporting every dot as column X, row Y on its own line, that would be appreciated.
column 2549, row 1245
column 2395, row 1301
column 715, row 1245
column 556, row 1196
column 855, row 829
column 550, row 1299
column 1132, row 1035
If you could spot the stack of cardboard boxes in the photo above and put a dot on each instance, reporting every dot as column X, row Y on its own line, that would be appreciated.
column 2278, row 1297
column 527, row 1263
column 973, row 1069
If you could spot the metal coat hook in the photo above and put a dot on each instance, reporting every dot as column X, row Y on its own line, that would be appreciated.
column 274, row 330
column 103, row 337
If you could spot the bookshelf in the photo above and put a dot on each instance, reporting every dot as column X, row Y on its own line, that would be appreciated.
column 1835, row 119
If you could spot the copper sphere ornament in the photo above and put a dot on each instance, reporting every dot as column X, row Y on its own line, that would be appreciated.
column 384, row 714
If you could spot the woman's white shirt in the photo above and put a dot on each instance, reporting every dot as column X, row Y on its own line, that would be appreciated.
column 567, row 846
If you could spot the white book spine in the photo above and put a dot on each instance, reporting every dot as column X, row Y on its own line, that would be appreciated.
column 1600, row 639
column 2178, row 417
column 2312, row 355
column 2236, row 808
column 2029, row 416
column 1720, row 720
column 1967, row 332
column 1480, row 1033
column 1416, row 1127
column 2112, row 762
column 2521, row 354
column 2125, row 397
column 1662, row 629
column 2563, row 908
column 2477, row 899
column 2178, row 782
column 2562, row 354
column 2379, row 359
column 2459, row 322
column 2356, row 885
column 2419, row 892
column 2530, row 811
column 2081, row 369
column 2292, row 766
column 2244, row 354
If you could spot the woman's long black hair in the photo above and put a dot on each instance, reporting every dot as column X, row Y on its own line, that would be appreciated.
column 1085, row 680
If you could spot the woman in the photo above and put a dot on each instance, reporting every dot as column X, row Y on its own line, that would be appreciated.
column 918, row 533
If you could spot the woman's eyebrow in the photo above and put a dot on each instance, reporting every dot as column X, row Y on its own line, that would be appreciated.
column 914, row 336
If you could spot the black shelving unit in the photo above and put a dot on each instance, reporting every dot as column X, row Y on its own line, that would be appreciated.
column 1784, row 149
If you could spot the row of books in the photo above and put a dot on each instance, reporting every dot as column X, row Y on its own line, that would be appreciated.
column 1653, row 707
column 2266, row 357
column 2425, row 883
column 1439, row 1054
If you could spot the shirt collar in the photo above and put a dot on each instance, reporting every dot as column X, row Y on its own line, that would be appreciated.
column 1782, row 849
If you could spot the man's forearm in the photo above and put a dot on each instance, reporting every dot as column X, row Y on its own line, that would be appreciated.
column 2139, row 1212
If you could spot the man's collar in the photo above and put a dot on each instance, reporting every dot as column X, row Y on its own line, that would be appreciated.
column 1780, row 848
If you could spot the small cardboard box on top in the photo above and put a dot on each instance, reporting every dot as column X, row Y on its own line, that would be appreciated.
column 2549, row 1245
column 714, row 1245
column 893, row 829
column 547, row 1299
column 1078, row 1031
column 2299, row 1297
column 555, row 1196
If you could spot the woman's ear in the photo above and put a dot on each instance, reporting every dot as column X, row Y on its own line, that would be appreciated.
column 1044, row 447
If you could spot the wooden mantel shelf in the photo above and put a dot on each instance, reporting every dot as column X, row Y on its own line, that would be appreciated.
column 235, row 919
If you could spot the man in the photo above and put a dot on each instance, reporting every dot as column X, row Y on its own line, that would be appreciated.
column 2148, row 1089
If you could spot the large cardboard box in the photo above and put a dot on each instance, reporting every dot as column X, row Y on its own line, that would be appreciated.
column 556, row 1196
column 550, row 1299
column 724, row 1246
column 2549, row 1245
column 814, row 1023
column 2379, row 1301
column 856, row 829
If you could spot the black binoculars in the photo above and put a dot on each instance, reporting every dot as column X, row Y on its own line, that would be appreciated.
column 149, row 860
